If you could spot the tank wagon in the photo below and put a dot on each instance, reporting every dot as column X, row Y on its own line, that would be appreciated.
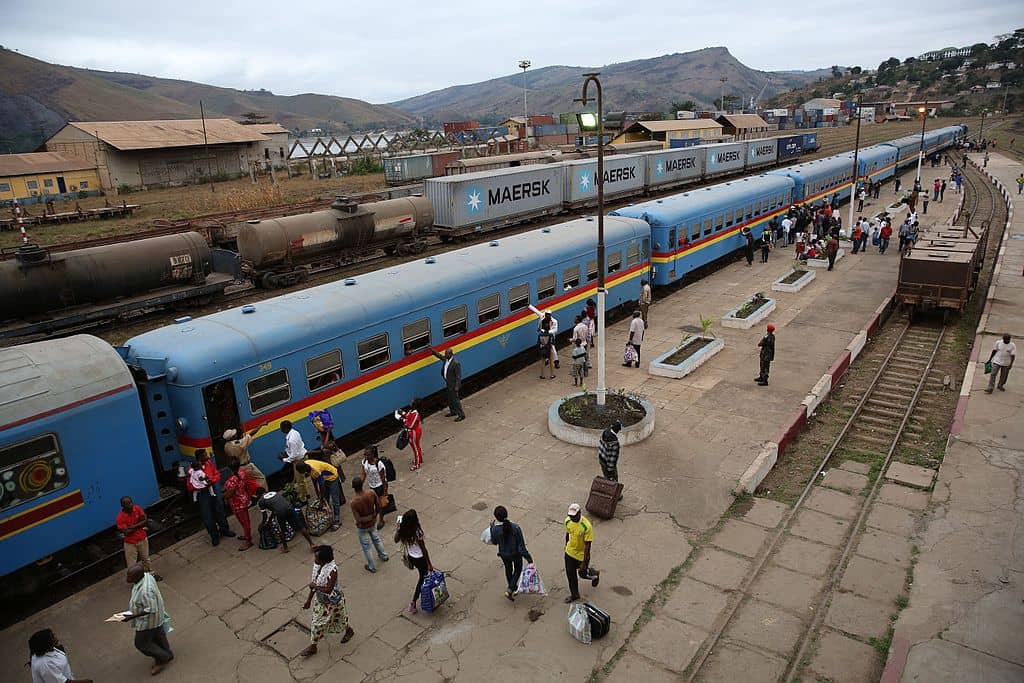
column 282, row 251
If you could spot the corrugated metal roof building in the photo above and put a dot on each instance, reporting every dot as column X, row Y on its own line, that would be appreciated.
column 705, row 130
column 140, row 154
column 41, row 175
column 275, row 150
column 744, row 126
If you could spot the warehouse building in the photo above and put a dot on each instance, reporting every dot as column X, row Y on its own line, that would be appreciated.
column 144, row 154
column 275, row 150
column 39, row 176
column 693, row 131
column 743, row 126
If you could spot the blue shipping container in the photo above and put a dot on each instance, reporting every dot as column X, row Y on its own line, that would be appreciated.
column 556, row 129
column 810, row 142
column 791, row 146
column 687, row 142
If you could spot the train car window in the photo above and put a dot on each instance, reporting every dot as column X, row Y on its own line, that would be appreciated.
column 373, row 351
column 632, row 255
column 415, row 336
column 707, row 227
column 750, row 211
column 728, row 220
column 519, row 297
column 718, row 222
column 488, row 308
column 324, row 370
column 33, row 468
column 571, row 277
column 591, row 270
column 454, row 321
column 268, row 391
column 614, row 261
column 645, row 249
column 695, row 231
column 546, row 286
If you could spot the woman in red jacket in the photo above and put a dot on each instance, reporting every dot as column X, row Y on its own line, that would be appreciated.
column 409, row 416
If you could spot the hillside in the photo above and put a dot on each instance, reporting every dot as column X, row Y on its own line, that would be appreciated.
column 655, row 84
column 37, row 98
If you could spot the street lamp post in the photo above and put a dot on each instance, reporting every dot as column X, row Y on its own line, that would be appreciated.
column 856, row 152
column 589, row 121
column 723, row 81
column 524, row 65
column 920, row 157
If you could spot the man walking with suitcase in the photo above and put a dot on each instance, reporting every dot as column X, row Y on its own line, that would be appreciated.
column 579, row 535
column 608, row 452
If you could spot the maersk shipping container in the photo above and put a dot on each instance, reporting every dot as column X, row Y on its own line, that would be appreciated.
column 790, row 147
column 673, row 166
column 484, row 199
column 623, row 174
column 761, row 153
column 723, row 158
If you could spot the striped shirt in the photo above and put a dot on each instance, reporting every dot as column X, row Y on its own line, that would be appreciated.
column 146, row 597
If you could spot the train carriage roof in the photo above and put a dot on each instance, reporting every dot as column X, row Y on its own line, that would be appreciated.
column 222, row 343
column 669, row 211
column 42, row 377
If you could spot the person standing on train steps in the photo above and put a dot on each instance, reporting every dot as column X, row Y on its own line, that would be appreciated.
column 451, row 371
column 294, row 453
column 131, row 524
column 1003, row 354
column 48, row 661
column 645, row 300
column 636, row 335
column 767, row 355
column 236, row 445
column 207, row 497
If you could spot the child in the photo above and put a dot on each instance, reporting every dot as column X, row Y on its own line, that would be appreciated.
column 198, row 479
column 579, row 359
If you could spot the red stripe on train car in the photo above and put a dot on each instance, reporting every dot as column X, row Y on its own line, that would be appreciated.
column 40, row 514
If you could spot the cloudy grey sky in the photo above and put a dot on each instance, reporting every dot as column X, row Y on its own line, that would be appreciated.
column 390, row 50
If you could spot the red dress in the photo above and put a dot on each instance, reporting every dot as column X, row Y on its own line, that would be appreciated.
column 236, row 492
column 414, row 426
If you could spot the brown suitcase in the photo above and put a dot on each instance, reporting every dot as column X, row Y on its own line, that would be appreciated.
column 604, row 497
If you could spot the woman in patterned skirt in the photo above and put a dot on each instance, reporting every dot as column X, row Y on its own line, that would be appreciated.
column 330, row 614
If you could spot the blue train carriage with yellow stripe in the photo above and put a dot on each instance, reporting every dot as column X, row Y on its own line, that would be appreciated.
column 694, row 228
column 72, row 442
column 361, row 347
column 818, row 181
column 909, row 147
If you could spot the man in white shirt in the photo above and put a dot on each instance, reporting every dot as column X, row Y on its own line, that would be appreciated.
column 787, row 227
column 636, row 335
column 294, row 453
column 1003, row 354
column 375, row 476
column 49, row 664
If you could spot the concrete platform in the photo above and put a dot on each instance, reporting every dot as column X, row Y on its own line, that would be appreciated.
column 711, row 425
column 965, row 620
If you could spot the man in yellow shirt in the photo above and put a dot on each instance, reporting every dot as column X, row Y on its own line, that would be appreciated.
column 579, row 534
column 327, row 483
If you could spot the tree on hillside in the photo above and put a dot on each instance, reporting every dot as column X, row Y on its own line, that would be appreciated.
column 836, row 71
column 685, row 105
column 855, row 70
column 979, row 50
column 728, row 101
column 888, row 64
column 250, row 118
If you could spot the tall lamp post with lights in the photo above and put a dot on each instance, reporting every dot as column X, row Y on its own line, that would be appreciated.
column 589, row 121
column 920, row 157
column 524, row 65
column 856, row 152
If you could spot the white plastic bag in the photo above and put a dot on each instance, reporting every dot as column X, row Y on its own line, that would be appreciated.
column 485, row 537
column 530, row 581
column 579, row 623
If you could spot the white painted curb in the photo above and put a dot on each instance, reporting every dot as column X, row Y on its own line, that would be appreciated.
column 730, row 319
column 660, row 369
column 759, row 469
column 804, row 280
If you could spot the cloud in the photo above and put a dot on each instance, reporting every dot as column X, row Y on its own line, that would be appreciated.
column 381, row 52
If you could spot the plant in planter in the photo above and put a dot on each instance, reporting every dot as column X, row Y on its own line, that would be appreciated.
column 689, row 353
column 756, row 302
column 705, row 326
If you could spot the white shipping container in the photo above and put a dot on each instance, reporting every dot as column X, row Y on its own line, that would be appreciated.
column 671, row 166
column 623, row 174
column 495, row 197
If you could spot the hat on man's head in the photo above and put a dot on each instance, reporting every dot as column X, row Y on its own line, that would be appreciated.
column 771, row 328
column 574, row 509
column 230, row 434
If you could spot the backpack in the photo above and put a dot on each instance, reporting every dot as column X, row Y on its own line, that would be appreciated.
column 389, row 467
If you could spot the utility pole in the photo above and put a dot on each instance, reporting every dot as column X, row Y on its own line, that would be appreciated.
column 723, row 81
column 206, row 145
column 524, row 64
column 856, row 151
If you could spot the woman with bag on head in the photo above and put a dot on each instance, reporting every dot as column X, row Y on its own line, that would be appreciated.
column 330, row 613
column 511, row 549
column 410, row 418
column 410, row 535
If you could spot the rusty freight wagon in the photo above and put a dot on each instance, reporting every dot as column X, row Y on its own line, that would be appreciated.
column 935, row 278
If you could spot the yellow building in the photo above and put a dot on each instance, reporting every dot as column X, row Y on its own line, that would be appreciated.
column 706, row 130
column 36, row 176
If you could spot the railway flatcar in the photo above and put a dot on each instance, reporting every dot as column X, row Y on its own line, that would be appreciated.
column 820, row 180
column 500, row 161
column 362, row 347
column 72, row 442
column 694, row 228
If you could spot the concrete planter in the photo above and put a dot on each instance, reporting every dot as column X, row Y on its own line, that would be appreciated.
column 805, row 279
column 730, row 319
column 581, row 436
column 823, row 262
column 659, row 367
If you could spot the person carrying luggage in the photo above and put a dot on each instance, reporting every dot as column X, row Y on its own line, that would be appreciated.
column 579, row 535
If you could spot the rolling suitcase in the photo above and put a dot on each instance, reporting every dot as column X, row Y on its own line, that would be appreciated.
column 604, row 497
column 600, row 621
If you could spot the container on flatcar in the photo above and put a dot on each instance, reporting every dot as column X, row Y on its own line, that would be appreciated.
column 494, row 198
column 498, row 161
column 398, row 170
column 669, row 167
column 623, row 175
column 723, row 158
column 790, row 146
column 761, row 153
column 933, row 278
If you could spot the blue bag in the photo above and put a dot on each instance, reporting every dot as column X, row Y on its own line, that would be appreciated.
column 434, row 593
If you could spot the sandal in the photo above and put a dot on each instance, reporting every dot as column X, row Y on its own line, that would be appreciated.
column 348, row 635
column 308, row 652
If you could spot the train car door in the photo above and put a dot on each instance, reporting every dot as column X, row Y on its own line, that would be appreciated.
column 221, row 414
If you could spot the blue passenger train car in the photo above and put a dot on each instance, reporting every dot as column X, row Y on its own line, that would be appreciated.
column 361, row 347
column 694, row 228
column 72, row 442
column 821, row 179
column 876, row 163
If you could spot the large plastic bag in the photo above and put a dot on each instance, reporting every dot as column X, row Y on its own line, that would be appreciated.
column 530, row 581
column 579, row 622
column 485, row 537
column 434, row 593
